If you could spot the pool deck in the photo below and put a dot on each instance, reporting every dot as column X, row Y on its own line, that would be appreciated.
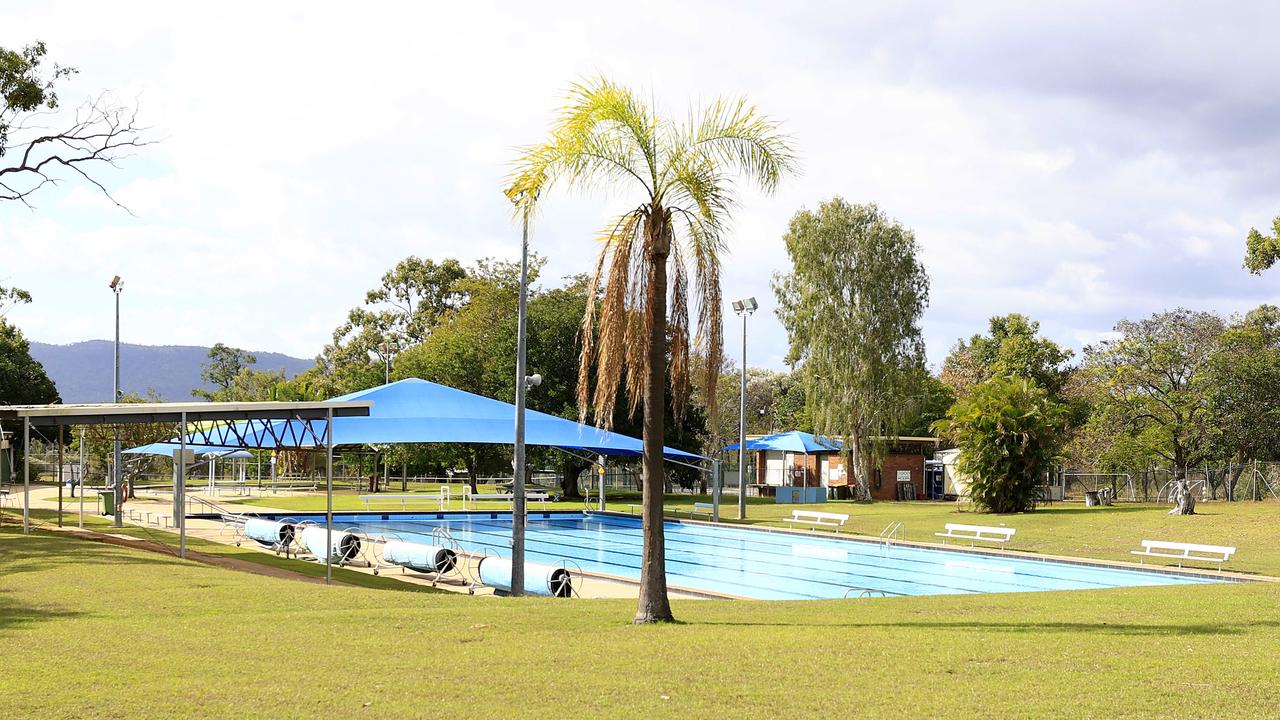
column 593, row 585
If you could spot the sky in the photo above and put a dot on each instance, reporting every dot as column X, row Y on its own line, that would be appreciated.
column 1077, row 162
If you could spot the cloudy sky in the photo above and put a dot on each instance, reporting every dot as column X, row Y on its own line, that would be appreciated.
column 1077, row 162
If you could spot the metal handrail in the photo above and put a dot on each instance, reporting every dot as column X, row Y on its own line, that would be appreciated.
column 864, row 592
column 892, row 530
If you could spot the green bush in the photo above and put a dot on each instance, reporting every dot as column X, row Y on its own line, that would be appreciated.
column 1008, row 432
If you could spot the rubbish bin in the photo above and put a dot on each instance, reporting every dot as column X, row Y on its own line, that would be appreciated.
column 108, row 499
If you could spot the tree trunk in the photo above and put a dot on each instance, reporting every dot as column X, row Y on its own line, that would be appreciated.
column 569, row 470
column 472, row 462
column 858, row 469
column 654, row 605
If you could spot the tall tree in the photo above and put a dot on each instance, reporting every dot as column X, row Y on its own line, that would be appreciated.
column 23, row 380
column 609, row 136
column 225, row 363
column 1244, row 385
column 1155, row 382
column 852, row 305
column 398, row 314
column 32, row 154
column 1262, row 251
column 1012, row 346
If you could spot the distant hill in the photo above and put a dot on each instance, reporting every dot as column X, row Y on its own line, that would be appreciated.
column 82, row 371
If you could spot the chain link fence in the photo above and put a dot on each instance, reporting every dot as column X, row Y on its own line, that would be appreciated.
column 1235, row 482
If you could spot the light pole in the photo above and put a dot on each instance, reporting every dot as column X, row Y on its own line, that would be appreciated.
column 387, row 349
column 518, row 511
column 743, row 308
column 117, row 286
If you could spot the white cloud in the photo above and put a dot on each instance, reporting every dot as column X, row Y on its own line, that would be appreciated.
column 1048, row 162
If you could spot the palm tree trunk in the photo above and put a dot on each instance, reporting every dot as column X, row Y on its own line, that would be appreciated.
column 654, row 604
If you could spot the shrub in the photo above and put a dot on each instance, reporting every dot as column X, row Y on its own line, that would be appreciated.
column 1008, row 432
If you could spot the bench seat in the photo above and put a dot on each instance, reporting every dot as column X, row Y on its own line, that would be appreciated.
column 702, row 509
column 1184, row 552
column 976, row 533
column 814, row 518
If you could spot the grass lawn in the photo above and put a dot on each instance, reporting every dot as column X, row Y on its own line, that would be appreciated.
column 93, row 630
column 42, row 517
column 1107, row 533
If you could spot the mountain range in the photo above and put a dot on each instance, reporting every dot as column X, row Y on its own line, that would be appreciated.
column 82, row 371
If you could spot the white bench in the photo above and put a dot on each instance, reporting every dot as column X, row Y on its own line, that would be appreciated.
column 813, row 518
column 976, row 533
column 468, row 497
column 1184, row 551
column 702, row 509
column 402, row 500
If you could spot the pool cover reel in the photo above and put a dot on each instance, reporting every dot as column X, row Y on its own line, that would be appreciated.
column 269, row 533
column 416, row 556
column 539, row 579
column 346, row 546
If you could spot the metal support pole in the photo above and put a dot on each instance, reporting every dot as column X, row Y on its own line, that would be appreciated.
column 518, row 513
column 600, row 473
column 180, row 488
column 80, row 478
column 742, row 428
column 328, row 496
column 115, row 398
column 717, row 479
column 60, row 476
column 26, row 475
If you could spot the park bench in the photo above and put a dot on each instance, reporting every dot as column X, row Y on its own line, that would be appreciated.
column 1184, row 552
column 402, row 500
column 976, row 533
column 702, row 509
column 468, row 497
column 814, row 519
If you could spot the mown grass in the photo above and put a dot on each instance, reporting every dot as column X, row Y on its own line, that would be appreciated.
column 92, row 630
column 44, row 520
column 1106, row 533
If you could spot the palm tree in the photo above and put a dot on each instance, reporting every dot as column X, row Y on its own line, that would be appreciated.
column 608, row 137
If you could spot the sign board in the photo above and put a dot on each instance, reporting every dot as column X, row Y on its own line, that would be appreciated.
column 904, row 476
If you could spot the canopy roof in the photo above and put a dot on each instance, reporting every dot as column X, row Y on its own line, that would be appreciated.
column 417, row 411
column 793, row 441
column 204, row 451
column 125, row 413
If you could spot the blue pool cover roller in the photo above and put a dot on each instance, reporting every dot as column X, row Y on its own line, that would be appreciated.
column 270, row 533
column 346, row 546
column 539, row 579
column 416, row 556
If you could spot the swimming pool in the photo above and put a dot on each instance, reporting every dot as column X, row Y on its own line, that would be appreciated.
column 728, row 560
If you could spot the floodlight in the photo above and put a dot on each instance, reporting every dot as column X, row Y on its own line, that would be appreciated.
column 748, row 305
column 115, row 282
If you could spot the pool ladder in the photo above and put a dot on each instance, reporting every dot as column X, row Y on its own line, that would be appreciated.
column 893, row 530
column 864, row 592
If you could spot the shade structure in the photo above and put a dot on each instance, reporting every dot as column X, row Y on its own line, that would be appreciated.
column 793, row 441
column 418, row 411
column 203, row 451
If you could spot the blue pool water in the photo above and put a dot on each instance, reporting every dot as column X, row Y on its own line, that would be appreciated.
column 753, row 563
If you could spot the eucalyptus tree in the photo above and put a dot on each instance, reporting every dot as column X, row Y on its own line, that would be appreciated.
column 1013, row 347
column 1262, row 251
column 653, row 255
column 1156, row 381
column 851, row 306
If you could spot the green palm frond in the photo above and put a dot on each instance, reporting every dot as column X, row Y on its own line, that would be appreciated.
column 608, row 136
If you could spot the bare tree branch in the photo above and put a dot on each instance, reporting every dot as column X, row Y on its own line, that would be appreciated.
column 101, row 134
